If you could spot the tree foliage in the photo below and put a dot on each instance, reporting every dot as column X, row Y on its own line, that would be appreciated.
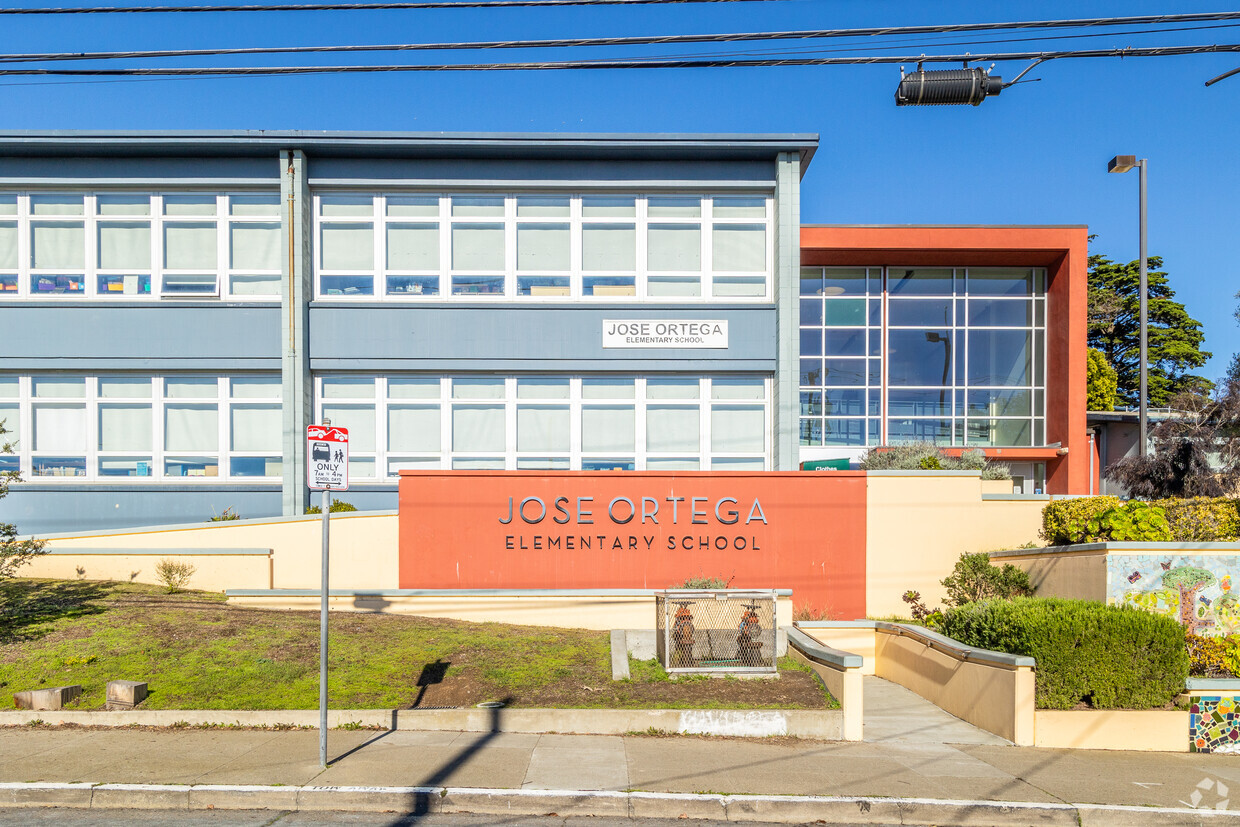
column 1101, row 382
column 1174, row 337
column 14, row 553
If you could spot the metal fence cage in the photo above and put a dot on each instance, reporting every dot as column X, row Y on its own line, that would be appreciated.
column 715, row 630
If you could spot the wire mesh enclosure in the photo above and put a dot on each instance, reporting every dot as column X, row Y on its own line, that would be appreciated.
column 707, row 630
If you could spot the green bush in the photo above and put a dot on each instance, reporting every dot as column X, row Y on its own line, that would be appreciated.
column 1212, row 656
column 974, row 579
column 1202, row 519
column 1135, row 521
column 1110, row 657
column 335, row 508
column 1058, row 513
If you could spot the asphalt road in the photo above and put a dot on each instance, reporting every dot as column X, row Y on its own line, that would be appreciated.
column 270, row 818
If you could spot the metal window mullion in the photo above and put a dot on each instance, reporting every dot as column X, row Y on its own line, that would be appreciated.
column 25, row 251
column 381, row 429
column 706, row 450
column 92, row 426
column 706, row 255
column 575, row 431
column 510, row 422
column 576, row 243
column 90, row 255
column 510, row 248
column 378, row 250
column 642, row 225
column 223, row 423
column 639, row 411
column 445, row 423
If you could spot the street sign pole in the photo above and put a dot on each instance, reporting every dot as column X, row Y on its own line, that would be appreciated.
column 327, row 471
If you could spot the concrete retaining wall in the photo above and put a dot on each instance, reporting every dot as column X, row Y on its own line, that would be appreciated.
column 1155, row 730
column 215, row 569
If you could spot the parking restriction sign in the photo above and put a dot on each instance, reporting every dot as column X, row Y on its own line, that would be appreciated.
column 327, row 464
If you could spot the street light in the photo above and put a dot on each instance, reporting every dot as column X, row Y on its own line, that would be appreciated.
column 1123, row 163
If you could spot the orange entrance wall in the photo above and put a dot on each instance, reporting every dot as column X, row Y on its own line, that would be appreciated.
column 1062, row 250
column 813, row 539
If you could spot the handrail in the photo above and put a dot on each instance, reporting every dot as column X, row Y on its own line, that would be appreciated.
column 818, row 651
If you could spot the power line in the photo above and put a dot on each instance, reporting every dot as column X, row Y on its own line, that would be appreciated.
column 635, row 63
column 437, row 4
column 736, row 37
column 569, row 42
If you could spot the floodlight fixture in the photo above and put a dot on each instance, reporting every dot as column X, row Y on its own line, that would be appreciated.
column 1121, row 163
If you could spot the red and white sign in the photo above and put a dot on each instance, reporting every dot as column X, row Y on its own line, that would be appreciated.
column 327, row 458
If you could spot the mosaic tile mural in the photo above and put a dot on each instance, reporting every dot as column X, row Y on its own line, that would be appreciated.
column 1213, row 725
column 1202, row 591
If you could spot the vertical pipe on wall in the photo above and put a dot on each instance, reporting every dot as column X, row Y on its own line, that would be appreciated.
column 785, row 448
column 295, row 296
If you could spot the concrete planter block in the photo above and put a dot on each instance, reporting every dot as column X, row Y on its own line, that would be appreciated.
column 126, row 694
column 47, row 699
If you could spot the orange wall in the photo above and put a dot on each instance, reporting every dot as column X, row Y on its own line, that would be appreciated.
column 455, row 532
column 1061, row 250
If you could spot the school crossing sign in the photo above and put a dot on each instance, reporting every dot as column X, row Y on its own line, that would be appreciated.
column 327, row 452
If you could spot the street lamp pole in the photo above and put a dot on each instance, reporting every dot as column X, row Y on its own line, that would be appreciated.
column 1123, row 163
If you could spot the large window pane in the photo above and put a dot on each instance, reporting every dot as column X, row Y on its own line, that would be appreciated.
column 544, row 206
column 543, row 428
column 478, row 247
column 843, row 281
column 672, row 429
column 256, row 428
column 919, row 357
column 358, row 420
column 477, row 429
column 189, row 205
column 478, row 387
column 479, row 205
column 414, row 429
column 255, row 285
column 737, row 388
column 1000, row 313
column 256, row 387
column 608, row 247
column 413, row 387
column 608, row 206
column 8, row 245
column 542, row 387
column 125, row 246
column 346, row 205
column 542, row 247
column 737, row 430
column 58, row 387
column 740, row 206
column 841, row 432
column 842, row 372
column 413, row 246
column 403, row 205
column 10, row 420
column 919, row 402
column 1001, row 281
column 348, row 247
column 674, row 247
column 919, row 313
column 925, row 282
column 674, row 206
column 1000, row 432
column 840, row 313
column 256, row 247
column 58, row 246
column 1000, row 403
column 841, row 402
column 608, row 429
column 57, row 204
column 123, row 204
column 190, row 247
column 607, row 387
column 348, row 387
column 59, row 429
column 739, row 248
column 192, row 387
column 191, row 428
column 999, row 357
column 265, row 204
column 125, row 427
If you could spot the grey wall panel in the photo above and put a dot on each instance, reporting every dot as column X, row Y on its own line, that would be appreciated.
column 525, row 338
column 139, row 337
column 145, row 173
column 328, row 171
column 46, row 509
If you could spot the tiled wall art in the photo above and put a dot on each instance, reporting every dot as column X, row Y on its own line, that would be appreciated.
column 1213, row 725
column 1201, row 591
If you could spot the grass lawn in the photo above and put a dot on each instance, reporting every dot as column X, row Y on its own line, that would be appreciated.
column 197, row 652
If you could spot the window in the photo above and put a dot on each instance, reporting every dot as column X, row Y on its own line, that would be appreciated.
column 116, row 245
column 548, row 422
column 152, row 427
column 544, row 246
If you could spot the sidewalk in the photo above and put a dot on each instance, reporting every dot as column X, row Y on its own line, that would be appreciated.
column 940, row 783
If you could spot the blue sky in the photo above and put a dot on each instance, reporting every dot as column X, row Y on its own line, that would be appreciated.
column 1037, row 154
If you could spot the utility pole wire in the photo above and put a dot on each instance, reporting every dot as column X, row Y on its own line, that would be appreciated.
column 637, row 63
column 435, row 4
column 737, row 37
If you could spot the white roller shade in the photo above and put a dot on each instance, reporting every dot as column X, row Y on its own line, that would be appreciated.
column 256, row 428
column 413, row 246
column 256, row 247
column 8, row 245
column 11, row 421
column 608, row 429
column 609, row 247
column 674, row 247
column 58, row 246
column 478, row 428
column 414, row 429
column 191, row 428
column 360, row 422
column 190, row 247
column 125, row 246
column 478, row 247
column 737, row 430
column 348, row 247
column 59, row 430
column 673, row 429
column 542, row 247
column 543, row 428
column 125, row 428
column 739, row 248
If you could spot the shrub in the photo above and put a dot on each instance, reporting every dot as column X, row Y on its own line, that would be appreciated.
column 974, row 579
column 920, row 611
column 224, row 516
column 1058, row 513
column 336, row 507
column 808, row 611
column 702, row 582
column 1209, row 656
column 1202, row 519
column 1111, row 657
column 926, row 456
column 174, row 574
column 1135, row 521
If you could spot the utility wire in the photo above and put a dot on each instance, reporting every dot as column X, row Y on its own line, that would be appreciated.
column 574, row 42
column 437, row 4
column 636, row 63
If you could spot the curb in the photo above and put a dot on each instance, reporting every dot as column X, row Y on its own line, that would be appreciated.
column 791, row 809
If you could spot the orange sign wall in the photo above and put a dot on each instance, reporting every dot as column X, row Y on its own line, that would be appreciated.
column 637, row 530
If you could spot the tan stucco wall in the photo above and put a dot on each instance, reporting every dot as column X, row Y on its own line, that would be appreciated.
column 1081, row 576
column 845, row 685
column 212, row 572
column 578, row 612
column 363, row 549
column 1146, row 731
column 995, row 698
column 918, row 525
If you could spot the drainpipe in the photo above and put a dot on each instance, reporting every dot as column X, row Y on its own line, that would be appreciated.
column 1091, row 462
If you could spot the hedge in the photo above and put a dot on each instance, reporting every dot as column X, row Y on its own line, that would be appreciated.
column 1110, row 657
column 1196, row 520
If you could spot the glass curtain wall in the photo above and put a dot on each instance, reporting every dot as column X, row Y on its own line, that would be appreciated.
column 895, row 355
